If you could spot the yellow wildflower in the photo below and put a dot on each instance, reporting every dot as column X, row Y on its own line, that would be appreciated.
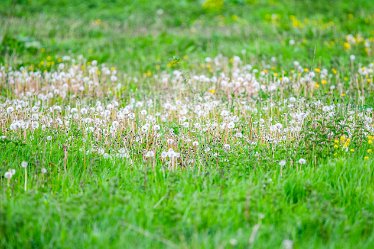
column 148, row 73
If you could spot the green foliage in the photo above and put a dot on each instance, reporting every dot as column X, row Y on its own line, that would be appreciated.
column 99, row 203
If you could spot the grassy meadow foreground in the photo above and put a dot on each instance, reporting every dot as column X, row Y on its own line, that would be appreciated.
column 186, row 124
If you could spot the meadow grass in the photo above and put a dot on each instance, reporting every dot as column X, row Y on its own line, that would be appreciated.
column 186, row 124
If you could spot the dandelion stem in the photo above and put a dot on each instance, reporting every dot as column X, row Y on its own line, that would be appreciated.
column 25, row 178
column 65, row 157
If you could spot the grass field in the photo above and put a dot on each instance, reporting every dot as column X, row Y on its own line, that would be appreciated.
column 186, row 124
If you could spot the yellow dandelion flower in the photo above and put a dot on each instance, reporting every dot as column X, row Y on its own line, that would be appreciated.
column 295, row 22
column 148, row 73
column 212, row 91
column 323, row 82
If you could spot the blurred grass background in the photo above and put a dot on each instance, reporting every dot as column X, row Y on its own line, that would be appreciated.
column 145, row 35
